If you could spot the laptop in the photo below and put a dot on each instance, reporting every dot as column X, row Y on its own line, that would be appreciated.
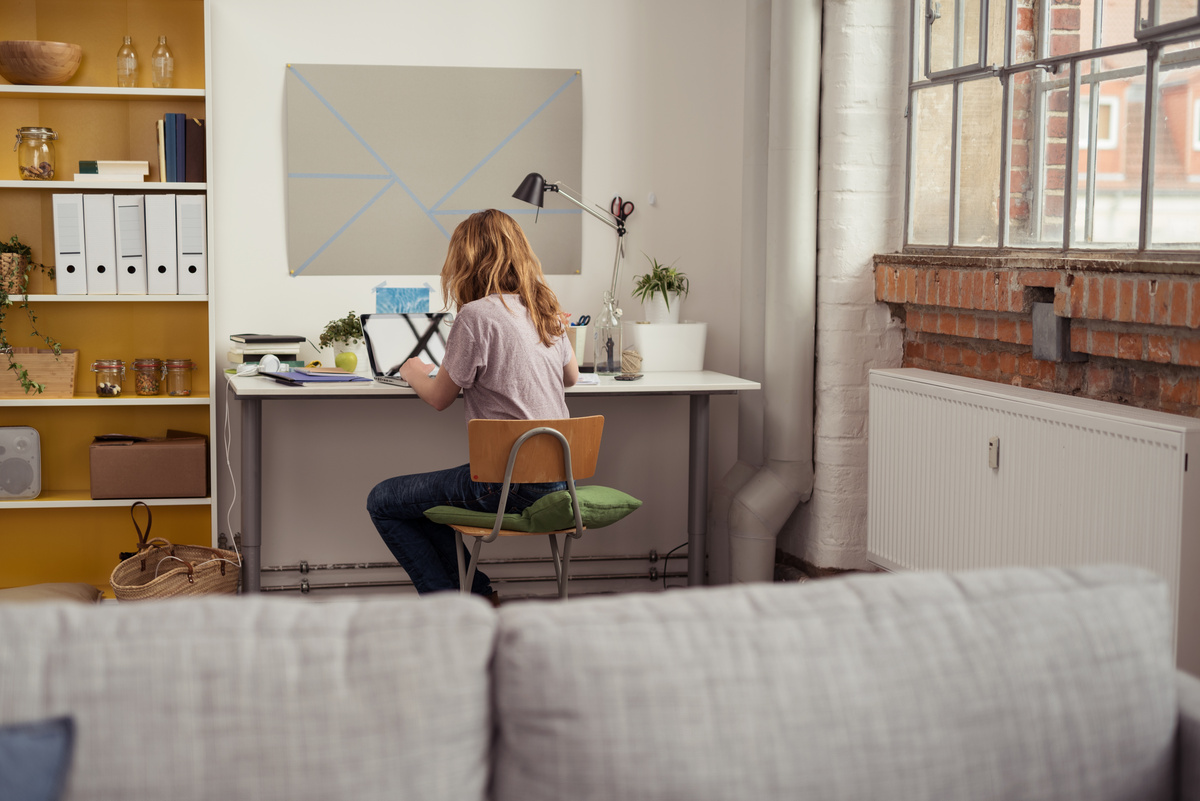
column 393, row 339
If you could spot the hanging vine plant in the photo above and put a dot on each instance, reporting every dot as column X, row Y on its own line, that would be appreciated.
column 16, row 265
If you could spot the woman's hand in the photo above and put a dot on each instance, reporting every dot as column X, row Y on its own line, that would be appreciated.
column 438, row 391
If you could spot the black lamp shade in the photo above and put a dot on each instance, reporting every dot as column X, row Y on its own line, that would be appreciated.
column 532, row 189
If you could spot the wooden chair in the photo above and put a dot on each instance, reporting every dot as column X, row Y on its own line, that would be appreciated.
column 529, row 452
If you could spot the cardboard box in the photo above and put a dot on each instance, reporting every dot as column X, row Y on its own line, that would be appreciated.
column 174, row 466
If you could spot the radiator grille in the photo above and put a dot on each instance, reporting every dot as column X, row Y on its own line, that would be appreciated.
column 1078, row 481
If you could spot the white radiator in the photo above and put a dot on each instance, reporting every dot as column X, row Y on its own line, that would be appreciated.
column 967, row 474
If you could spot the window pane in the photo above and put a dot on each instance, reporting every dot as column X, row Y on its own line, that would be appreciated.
column 1110, row 153
column 929, row 206
column 1164, row 12
column 1118, row 22
column 1037, row 158
column 1176, row 197
column 979, row 163
column 996, row 16
column 953, row 33
column 1072, row 26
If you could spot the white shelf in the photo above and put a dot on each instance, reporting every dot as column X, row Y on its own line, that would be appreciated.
column 112, row 298
column 95, row 93
column 80, row 499
column 120, row 186
column 123, row 400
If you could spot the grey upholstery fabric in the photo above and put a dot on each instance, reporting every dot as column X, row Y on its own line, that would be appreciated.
column 259, row 698
column 1189, row 737
column 1020, row 684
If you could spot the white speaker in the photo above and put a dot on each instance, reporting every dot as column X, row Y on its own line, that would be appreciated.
column 20, row 463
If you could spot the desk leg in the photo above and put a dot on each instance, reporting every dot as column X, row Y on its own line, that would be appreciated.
column 251, row 494
column 697, row 488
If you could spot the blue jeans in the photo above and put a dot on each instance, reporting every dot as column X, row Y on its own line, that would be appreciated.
column 425, row 549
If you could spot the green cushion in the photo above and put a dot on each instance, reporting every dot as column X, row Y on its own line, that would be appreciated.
column 599, row 507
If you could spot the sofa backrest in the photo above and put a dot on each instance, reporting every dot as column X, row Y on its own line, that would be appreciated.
column 259, row 698
column 1047, row 684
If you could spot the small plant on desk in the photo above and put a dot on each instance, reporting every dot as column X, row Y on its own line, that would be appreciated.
column 662, row 280
column 342, row 334
column 16, row 264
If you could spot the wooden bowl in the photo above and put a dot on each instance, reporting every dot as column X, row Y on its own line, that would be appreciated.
column 39, row 63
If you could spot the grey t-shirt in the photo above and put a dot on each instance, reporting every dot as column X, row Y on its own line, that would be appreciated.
column 506, row 373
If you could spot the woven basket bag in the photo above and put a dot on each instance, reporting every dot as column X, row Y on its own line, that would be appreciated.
column 161, row 569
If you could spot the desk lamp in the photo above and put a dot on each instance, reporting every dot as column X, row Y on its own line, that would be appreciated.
column 607, row 345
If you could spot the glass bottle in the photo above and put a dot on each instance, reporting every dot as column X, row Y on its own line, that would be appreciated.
column 110, row 374
column 127, row 64
column 35, row 153
column 607, row 348
column 179, row 376
column 147, row 376
column 162, row 64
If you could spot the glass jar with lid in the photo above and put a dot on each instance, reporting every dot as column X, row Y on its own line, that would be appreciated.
column 179, row 376
column 35, row 153
column 110, row 375
column 148, row 375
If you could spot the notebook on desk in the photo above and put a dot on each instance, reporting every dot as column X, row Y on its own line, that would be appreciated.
column 393, row 339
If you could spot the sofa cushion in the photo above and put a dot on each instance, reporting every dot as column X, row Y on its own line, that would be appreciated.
column 1047, row 684
column 258, row 697
column 37, row 593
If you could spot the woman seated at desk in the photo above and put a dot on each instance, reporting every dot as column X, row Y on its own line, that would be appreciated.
column 508, row 354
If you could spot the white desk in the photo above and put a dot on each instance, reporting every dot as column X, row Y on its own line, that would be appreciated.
column 698, row 386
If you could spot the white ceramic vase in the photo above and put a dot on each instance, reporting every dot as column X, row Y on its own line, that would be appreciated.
column 655, row 309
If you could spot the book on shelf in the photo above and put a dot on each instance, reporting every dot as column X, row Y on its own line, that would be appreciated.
column 278, row 349
column 108, row 167
column 261, row 338
column 180, row 146
column 169, row 146
column 194, row 166
column 162, row 152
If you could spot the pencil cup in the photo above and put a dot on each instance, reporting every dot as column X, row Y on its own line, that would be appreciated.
column 577, row 335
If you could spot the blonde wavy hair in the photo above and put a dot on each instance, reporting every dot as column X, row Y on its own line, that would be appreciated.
column 489, row 254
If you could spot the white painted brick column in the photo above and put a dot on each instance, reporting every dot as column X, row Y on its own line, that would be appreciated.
column 860, row 213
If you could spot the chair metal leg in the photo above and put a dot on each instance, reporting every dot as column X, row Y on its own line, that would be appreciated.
column 561, row 564
column 463, row 586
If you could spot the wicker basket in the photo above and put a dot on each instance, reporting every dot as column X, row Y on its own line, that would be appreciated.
column 12, row 272
column 56, row 372
column 162, row 570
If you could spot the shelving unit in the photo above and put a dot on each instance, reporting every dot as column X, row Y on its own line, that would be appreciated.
column 95, row 119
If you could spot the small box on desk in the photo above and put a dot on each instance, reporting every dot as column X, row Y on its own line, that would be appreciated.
column 174, row 466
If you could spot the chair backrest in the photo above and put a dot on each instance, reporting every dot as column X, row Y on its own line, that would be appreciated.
column 541, row 457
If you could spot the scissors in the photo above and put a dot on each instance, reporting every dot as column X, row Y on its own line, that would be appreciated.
column 584, row 320
column 621, row 209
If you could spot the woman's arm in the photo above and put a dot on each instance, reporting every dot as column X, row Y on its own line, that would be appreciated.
column 571, row 371
column 439, row 391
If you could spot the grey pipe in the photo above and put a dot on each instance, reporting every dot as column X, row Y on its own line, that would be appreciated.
column 764, row 501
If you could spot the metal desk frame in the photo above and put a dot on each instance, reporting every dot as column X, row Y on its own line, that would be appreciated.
column 251, row 391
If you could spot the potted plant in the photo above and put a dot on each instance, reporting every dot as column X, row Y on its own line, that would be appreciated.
column 658, row 288
column 16, row 264
column 344, row 334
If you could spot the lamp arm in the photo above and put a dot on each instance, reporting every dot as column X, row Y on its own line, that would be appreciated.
column 607, row 219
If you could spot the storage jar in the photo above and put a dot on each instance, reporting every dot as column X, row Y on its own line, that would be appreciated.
column 110, row 375
column 35, row 153
column 179, row 376
column 148, row 375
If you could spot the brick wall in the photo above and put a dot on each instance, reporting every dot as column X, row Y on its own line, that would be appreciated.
column 1134, row 328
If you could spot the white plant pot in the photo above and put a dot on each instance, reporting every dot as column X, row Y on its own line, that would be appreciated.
column 655, row 310
column 668, row 348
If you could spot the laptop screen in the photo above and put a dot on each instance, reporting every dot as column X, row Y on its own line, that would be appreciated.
column 393, row 339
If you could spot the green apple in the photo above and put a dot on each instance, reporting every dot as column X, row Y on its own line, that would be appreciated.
column 346, row 360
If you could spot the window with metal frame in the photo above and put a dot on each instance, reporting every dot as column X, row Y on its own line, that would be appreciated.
column 1054, row 124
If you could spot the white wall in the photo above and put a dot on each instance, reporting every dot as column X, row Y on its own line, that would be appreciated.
column 663, row 87
column 864, row 92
